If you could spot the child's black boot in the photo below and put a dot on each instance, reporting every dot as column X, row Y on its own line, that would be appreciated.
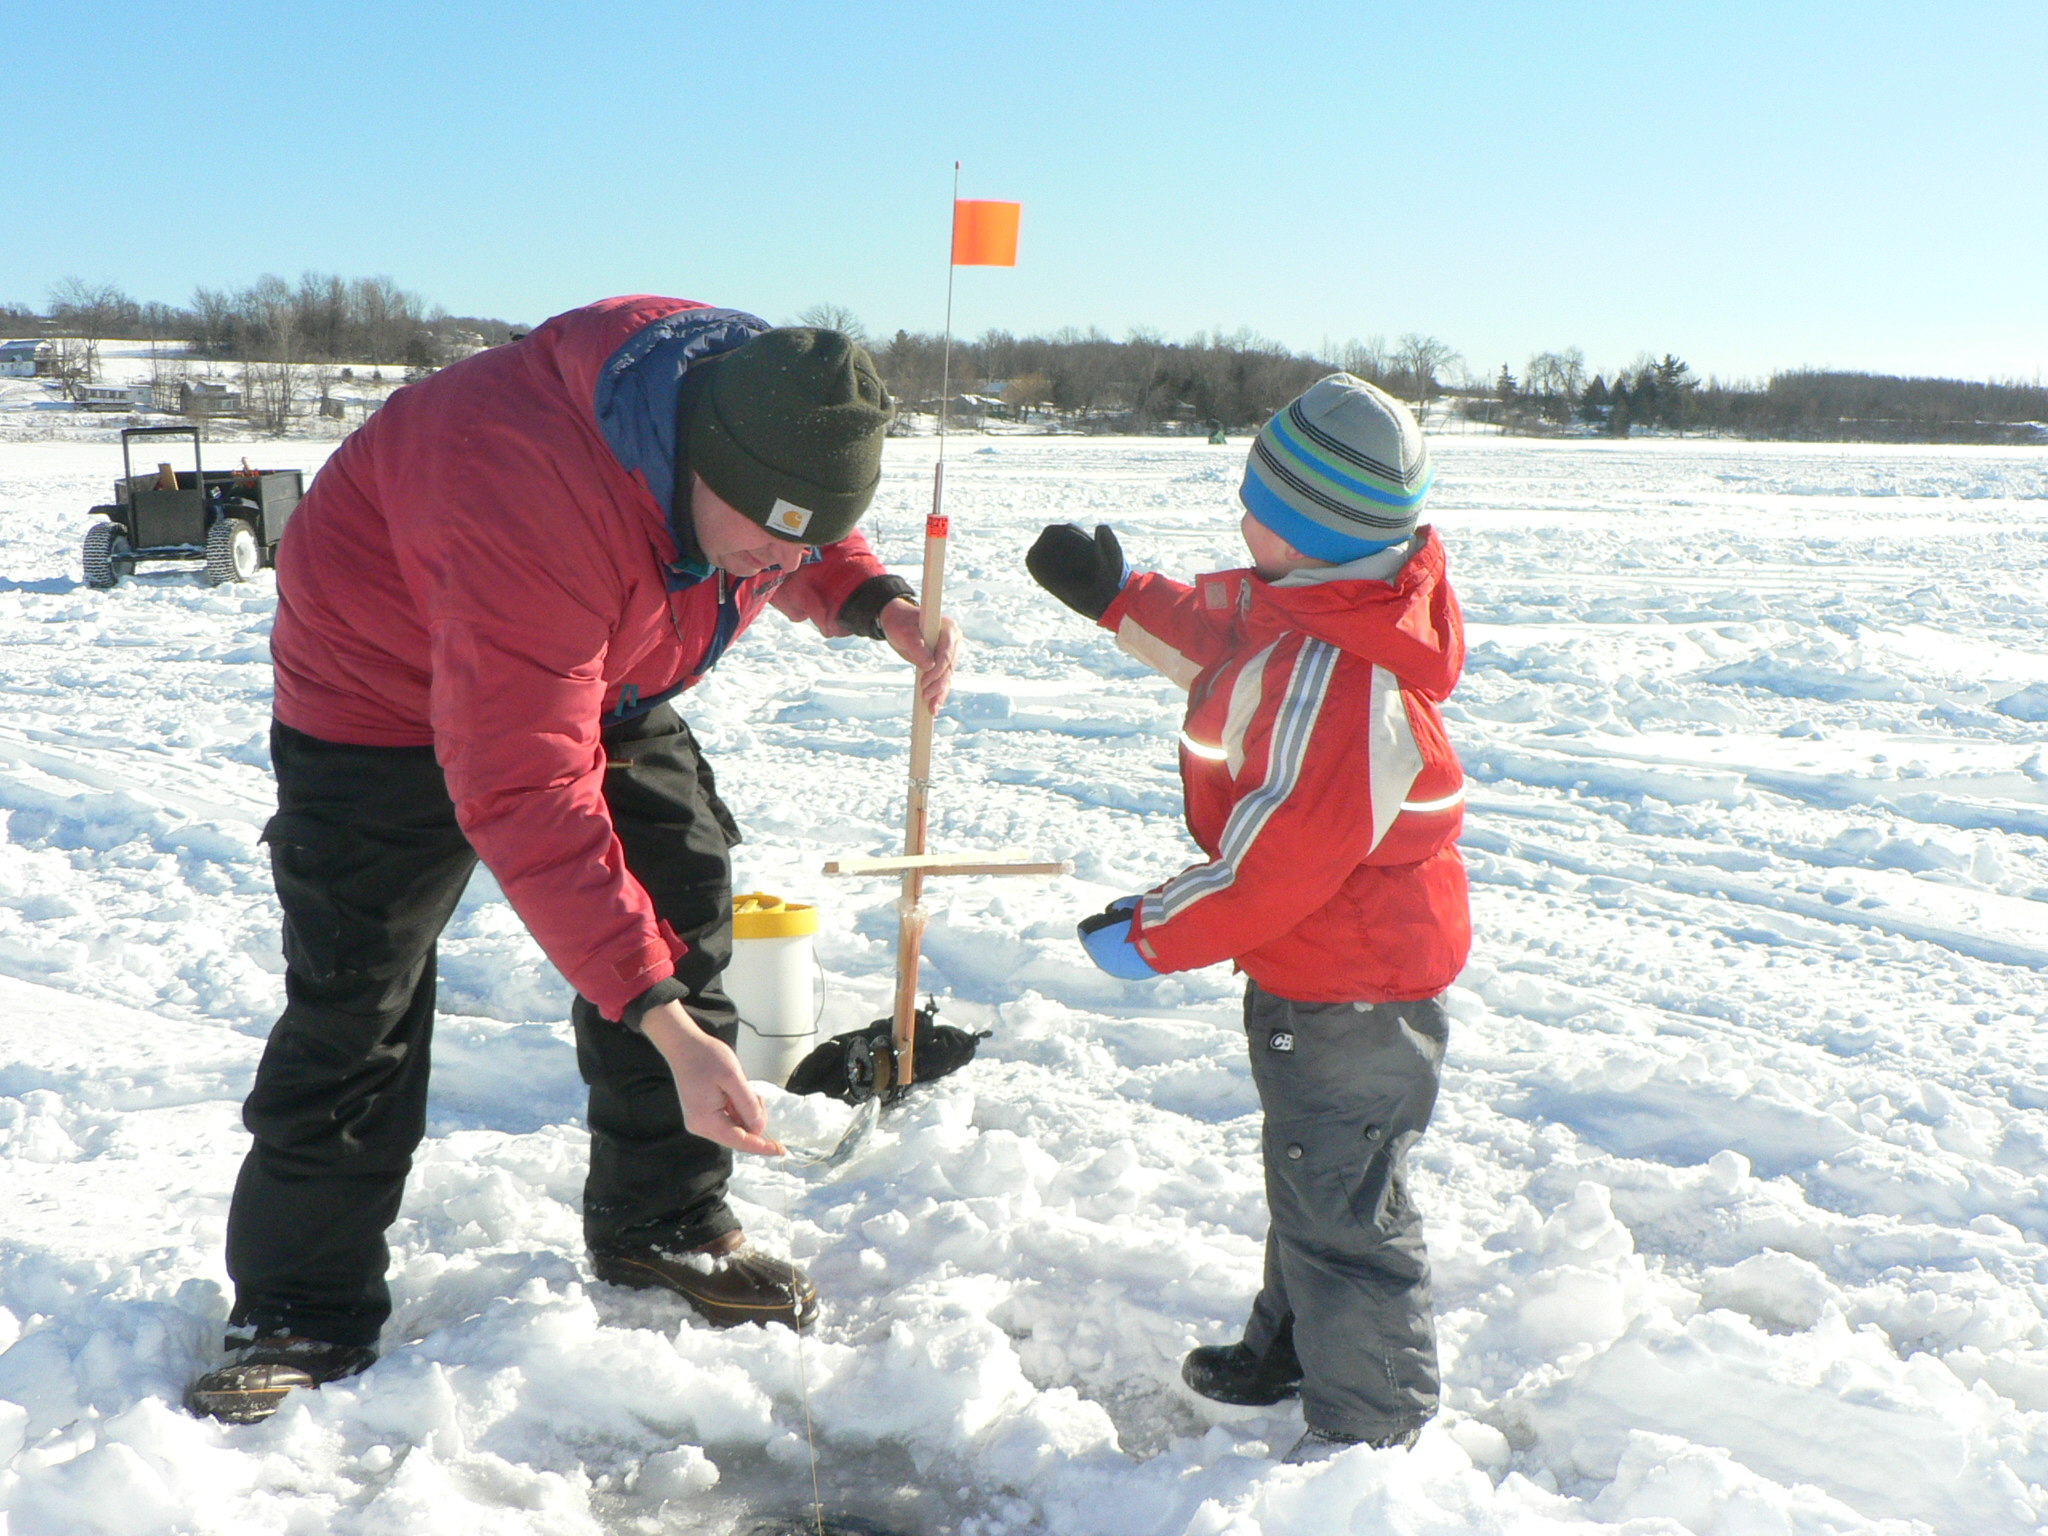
column 1231, row 1373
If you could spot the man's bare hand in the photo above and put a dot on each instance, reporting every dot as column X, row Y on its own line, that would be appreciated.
column 902, row 624
column 718, row 1104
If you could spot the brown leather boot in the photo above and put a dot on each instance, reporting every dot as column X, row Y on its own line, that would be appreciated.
column 725, row 1280
column 252, row 1385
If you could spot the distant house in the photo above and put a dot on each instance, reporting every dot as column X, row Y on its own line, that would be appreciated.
column 25, row 359
column 112, row 397
column 199, row 397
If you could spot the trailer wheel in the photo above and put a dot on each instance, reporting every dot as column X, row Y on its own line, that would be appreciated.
column 107, row 556
column 232, row 553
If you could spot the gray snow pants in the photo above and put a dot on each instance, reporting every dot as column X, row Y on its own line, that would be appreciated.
column 1347, row 1088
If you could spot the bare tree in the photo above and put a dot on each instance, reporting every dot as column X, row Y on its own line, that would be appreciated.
column 214, row 311
column 1558, row 373
column 321, row 303
column 1026, row 390
column 166, row 373
column 1571, row 371
column 1557, row 379
column 273, row 379
column 71, row 364
column 91, row 311
column 912, row 366
column 1368, row 359
column 94, row 309
column 385, row 318
column 1145, row 354
column 1422, row 358
column 833, row 317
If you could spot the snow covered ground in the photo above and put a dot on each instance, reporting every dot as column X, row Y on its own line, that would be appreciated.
column 1738, row 1190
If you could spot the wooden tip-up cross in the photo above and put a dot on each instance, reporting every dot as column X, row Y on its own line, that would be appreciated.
column 915, row 864
column 1003, row 861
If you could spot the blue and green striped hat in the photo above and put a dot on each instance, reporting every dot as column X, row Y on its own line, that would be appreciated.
column 1340, row 473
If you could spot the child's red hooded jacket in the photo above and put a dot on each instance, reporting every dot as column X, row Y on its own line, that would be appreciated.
column 1318, row 776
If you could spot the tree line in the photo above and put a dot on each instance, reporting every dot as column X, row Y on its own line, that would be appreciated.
column 1231, row 381
column 1082, row 380
column 1235, row 381
column 287, row 340
column 1799, row 405
column 320, row 319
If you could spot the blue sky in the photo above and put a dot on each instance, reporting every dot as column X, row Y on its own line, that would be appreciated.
column 1750, row 186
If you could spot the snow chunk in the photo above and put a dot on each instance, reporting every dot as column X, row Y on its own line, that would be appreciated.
column 2029, row 704
column 1773, row 1290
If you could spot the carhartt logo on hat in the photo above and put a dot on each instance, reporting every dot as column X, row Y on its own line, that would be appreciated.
column 788, row 519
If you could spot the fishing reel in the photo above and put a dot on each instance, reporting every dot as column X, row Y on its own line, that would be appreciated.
column 869, row 1068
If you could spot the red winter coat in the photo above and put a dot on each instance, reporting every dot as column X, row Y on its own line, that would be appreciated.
column 487, row 566
column 1318, row 776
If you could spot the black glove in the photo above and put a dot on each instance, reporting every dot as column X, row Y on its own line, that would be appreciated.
column 1086, row 574
column 861, row 1063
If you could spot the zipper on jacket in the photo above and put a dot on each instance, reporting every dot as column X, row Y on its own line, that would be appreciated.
column 630, row 703
column 721, row 634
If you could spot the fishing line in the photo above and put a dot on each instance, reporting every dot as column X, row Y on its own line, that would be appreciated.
column 803, row 1375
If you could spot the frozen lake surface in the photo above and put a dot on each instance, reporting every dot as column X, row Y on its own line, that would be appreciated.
column 1738, row 1190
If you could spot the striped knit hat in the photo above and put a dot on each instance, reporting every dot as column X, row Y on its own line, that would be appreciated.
column 1341, row 473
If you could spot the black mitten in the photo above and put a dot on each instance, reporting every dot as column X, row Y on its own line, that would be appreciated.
column 861, row 1063
column 1086, row 574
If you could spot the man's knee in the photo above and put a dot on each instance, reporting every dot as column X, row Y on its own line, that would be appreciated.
column 340, row 1092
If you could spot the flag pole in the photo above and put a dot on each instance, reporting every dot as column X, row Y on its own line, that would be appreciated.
column 910, row 906
column 946, row 369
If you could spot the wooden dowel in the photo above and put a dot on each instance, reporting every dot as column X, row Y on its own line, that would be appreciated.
column 898, row 863
column 949, row 864
column 910, row 927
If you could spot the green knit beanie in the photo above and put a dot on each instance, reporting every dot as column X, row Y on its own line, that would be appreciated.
column 787, row 429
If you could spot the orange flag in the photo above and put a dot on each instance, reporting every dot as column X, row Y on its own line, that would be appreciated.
column 985, row 234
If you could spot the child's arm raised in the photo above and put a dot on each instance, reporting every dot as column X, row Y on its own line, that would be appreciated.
column 1163, row 623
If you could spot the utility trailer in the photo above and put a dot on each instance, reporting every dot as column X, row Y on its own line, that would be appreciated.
column 229, row 518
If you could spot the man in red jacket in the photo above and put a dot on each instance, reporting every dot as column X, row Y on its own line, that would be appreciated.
column 485, row 603
column 1327, row 798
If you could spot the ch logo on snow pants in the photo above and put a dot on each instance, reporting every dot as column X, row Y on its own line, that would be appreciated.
column 1280, row 1040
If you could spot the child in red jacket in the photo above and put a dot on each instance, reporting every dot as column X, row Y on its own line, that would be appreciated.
column 1321, row 786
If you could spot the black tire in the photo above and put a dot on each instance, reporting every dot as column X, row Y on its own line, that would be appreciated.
column 106, row 555
column 233, row 552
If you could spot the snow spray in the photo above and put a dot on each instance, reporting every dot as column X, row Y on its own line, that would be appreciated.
column 772, row 982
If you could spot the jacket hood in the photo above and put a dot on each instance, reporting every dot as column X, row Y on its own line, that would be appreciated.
column 638, row 398
column 1409, row 623
column 626, row 361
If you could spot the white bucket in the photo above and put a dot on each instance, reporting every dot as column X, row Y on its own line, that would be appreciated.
column 772, row 982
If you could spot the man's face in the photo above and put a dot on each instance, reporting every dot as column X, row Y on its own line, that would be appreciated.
column 734, row 542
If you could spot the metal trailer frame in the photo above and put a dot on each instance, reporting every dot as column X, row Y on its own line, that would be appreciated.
column 229, row 519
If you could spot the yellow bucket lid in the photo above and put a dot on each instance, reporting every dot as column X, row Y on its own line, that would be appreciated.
column 757, row 915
